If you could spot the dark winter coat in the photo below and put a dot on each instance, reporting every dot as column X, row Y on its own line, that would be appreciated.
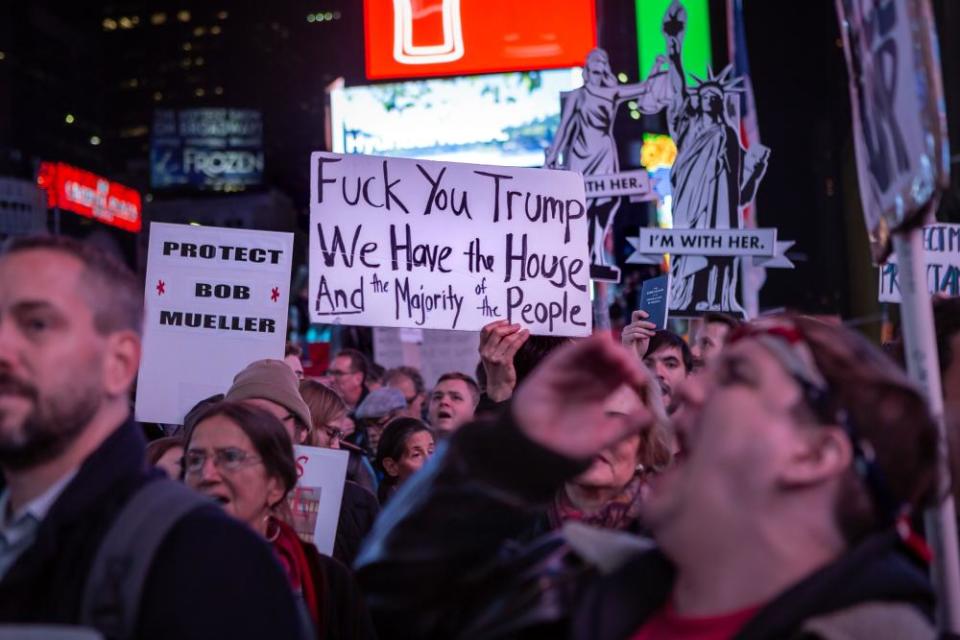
column 441, row 563
column 212, row 577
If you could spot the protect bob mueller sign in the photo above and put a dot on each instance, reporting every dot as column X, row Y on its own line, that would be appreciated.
column 90, row 195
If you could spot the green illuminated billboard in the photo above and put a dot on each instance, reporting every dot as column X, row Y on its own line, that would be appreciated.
column 696, row 41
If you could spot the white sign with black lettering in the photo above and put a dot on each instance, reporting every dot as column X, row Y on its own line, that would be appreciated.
column 941, row 255
column 441, row 245
column 625, row 183
column 760, row 244
column 215, row 300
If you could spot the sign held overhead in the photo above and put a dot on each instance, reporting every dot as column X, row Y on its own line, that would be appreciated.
column 215, row 301
column 404, row 243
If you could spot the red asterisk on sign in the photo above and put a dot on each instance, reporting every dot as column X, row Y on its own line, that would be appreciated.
column 161, row 287
column 275, row 294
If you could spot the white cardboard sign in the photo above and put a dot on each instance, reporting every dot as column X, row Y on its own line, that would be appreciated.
column 941, row 251
column 315, row 502
column 440, row 245
column 215, row 300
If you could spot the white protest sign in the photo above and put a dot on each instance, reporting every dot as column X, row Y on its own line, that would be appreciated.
column 761, row 244
column 941, row 249
column 440, row 245
column 215, row 300
column 315, row 502
column 438, row 352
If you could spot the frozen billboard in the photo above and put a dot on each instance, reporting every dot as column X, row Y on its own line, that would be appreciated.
column 206, row 149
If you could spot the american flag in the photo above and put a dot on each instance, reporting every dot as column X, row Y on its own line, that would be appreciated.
column 753, row 277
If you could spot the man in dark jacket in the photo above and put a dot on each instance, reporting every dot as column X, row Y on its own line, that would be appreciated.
column 71, row 457
column 801, row 446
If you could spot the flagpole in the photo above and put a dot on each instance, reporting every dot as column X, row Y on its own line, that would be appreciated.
column 923, row 366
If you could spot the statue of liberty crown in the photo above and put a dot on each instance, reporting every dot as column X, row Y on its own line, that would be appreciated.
column 721, row 84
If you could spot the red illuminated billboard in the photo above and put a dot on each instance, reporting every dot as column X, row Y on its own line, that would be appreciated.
column 90, row 195
column 416, row 38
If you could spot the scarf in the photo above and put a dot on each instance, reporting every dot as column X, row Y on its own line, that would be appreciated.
column 622, row 512
column 289, row 550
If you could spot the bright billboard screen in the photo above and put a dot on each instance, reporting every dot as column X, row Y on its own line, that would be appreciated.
column 418, row 38
column 501, row 119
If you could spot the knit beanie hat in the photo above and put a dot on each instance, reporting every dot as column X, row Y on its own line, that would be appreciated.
column 272, row 380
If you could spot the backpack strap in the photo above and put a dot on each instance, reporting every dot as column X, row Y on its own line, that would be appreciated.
column 112, row 594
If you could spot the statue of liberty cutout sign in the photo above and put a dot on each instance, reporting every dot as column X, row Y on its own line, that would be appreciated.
column 584, row 143
column 713, row 177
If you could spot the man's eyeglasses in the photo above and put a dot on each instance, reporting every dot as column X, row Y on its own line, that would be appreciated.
column 227, row 459
column 336, row 373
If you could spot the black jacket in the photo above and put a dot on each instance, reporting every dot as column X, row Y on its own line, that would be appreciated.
column 212, row 577
column 441, row 563
column 343, row 613
column 358, row 511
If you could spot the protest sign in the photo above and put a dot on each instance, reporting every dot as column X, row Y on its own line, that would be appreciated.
column 760, row 244
column 436, row 353
column 903, row 166
column 713, row 184
column 584, row 143
column 315, row 502
column 438, row 245
column 899, row 123
column 941, row 255
column 215, row 300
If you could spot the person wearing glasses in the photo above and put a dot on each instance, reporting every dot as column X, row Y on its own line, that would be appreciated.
column 348, row 374
column 241, row 456
column 805, row 455
column 328, row 414
column 359, row 506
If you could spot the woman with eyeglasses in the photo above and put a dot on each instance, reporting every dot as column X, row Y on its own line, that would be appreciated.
column 359, row 506
column 330, row 424
column 242, row 457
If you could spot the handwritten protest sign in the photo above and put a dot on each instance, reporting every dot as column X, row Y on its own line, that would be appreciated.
column 941, row 248
column 315, row 502
column 439, row 245
column 215, row 300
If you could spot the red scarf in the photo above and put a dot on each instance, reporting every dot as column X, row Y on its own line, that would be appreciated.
column 289, row 550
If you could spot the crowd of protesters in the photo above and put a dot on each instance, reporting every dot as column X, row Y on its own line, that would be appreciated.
column 764, row 480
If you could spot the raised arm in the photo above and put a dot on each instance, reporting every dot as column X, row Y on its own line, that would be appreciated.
column 755, row 165
column 432, row 560
column 654, row 93
column 674, row 23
